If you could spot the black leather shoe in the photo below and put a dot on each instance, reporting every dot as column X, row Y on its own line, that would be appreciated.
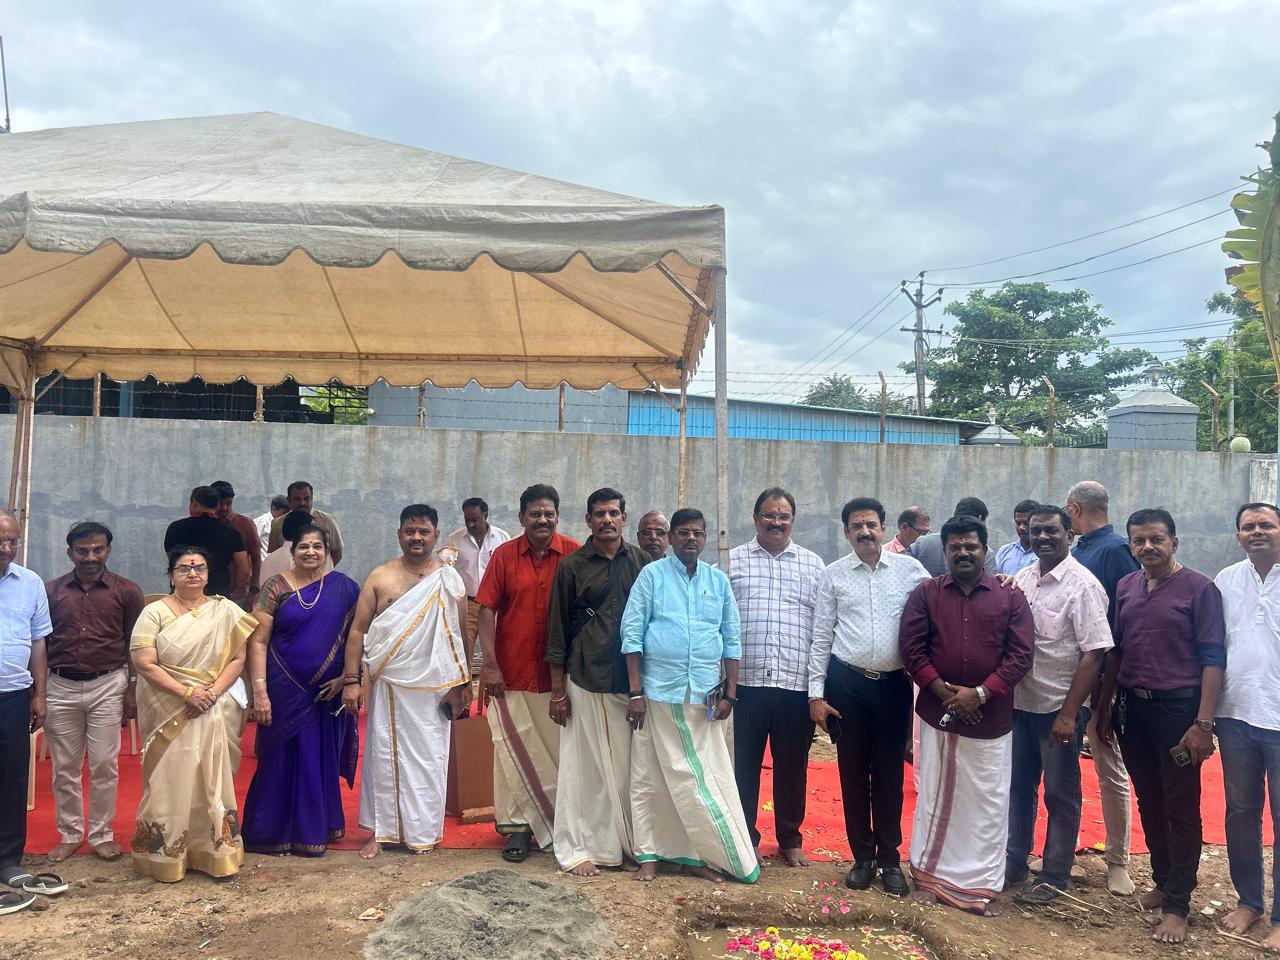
column 861, row 875
column 894, row 883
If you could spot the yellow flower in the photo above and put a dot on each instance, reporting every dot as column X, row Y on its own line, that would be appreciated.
column 771, row 931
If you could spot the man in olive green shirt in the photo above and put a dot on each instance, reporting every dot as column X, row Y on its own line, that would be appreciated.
column 589, row 691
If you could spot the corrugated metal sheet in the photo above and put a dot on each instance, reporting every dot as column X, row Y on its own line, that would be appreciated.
column 651, row 416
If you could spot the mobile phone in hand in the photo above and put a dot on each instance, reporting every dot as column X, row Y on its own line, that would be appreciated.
column 1181, row 755
column 447, row 709
column 833, row 728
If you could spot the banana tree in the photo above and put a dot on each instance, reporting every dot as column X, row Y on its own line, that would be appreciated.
column 1256, row 244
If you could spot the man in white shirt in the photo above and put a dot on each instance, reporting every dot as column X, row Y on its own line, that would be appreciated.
column 1248, row 719
column 262, row 522
column 300, row 495
column 860, row 694
column 774, row 581
column 1069, row 607
column 475, row 543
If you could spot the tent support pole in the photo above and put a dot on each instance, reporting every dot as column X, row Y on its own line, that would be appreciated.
column 722, row 418
column 20, row 472
column 683, row 448
column 259, row 404
column 97, row 394
column 422, row 405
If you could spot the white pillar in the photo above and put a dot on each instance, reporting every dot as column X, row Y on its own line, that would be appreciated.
column 722, row 417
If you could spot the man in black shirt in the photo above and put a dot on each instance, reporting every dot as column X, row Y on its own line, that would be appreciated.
column 589, row 691
column 229, row 570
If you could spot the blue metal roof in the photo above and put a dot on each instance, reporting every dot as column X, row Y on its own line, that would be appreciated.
column 652, row 416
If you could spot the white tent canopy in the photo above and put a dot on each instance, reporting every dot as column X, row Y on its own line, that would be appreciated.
column 263, row 247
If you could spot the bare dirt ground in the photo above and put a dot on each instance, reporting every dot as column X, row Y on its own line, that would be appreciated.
column 294, row 908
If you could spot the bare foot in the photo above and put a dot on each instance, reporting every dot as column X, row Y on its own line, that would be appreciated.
column 706, row 873
column 587, row 869
column 1172, row 929
column 61, row 852
column 992, row 909
column 107, row 850
column 370, row 849
column 794, row 857
column 1118, row 880
column 1239, row 920
column 647, row 872
column 421, row 852
column 629, row 864
column 1272, row 943
column 1151, row 900
column 925, row 898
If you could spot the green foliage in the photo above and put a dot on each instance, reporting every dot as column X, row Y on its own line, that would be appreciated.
column 1006, row 340
column 1208, row 360
column 839, row 390
column 349, row 405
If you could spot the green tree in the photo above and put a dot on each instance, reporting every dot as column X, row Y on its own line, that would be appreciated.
column 1005, row 341
column 349, row 405
column 1208, row 360
column 839, row 390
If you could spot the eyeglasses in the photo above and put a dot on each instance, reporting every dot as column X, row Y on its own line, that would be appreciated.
column 652, row 532
column 185, row 568
column 776, row 517
column 12, row 543
column 689, row 534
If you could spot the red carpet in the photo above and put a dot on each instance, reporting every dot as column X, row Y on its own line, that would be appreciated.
column 824, row 825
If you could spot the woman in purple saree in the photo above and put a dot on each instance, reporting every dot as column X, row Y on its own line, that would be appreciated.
column 296, row 657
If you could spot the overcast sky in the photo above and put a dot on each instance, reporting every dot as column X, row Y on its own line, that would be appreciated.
column 852, row 145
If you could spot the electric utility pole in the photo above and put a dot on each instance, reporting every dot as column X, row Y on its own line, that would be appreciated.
column 1231, row 385
column 921, row 304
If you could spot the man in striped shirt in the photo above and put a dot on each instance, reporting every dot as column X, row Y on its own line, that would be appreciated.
column 774, row 581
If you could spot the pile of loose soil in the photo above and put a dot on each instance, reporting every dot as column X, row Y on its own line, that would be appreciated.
column 493, row 913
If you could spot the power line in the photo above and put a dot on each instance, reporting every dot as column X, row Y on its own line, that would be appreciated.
column 1087, row 236
column 1076, row 263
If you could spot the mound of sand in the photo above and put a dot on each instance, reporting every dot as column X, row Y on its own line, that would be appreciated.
column 492, row 913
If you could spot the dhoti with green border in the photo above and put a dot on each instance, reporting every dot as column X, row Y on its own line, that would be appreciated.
column 684, row 799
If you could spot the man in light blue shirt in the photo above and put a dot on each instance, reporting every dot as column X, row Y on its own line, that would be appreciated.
column 680, row 630
column 1016, row 554
column 24, row 623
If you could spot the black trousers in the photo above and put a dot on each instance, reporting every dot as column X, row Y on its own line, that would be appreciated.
column 875, row 728
column 1168, row 795
column 15, row 754
column 779, row 718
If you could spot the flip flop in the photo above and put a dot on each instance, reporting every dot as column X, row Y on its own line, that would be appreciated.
column 517, row 848
column 13, row 902
column 14, row 877
column 46, row 884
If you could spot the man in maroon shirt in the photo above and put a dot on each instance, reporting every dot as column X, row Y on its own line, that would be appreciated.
column 966, row 642
column 248, row 531
column 1167, row 666
column 514, row 598
column 91, row 692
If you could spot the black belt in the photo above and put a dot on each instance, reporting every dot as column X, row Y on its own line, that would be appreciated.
column 81, row 676
column 1178, row 693
column 869, row 674
column 472, row 599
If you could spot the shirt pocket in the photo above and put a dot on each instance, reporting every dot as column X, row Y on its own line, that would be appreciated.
column 992, row 630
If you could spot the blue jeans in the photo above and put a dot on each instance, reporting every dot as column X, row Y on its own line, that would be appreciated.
column 1249, row 754
column 1035, row 757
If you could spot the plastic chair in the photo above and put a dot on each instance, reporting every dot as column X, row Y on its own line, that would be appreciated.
column 31, row 771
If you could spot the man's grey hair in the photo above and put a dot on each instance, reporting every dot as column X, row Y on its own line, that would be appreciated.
column 1091, row 495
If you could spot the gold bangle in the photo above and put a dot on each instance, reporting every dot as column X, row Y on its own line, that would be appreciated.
column 186, row 694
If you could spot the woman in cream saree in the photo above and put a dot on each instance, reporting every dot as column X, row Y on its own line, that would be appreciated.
column 189, row 651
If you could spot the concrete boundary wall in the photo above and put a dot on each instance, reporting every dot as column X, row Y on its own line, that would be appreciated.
column 135, row 476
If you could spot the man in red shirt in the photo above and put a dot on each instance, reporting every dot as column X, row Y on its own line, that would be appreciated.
column 515, row 679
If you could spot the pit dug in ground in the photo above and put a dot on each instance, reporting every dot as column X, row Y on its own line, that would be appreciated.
column 800, row 943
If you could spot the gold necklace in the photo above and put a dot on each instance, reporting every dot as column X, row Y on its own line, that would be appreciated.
column 298, row 595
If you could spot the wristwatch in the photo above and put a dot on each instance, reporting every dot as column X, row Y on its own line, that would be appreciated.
column 981, row 691
column 1205, row 725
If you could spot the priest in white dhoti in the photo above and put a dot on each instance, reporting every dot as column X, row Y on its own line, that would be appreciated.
column 966, row 641
column 680, row 631
column 407, row 640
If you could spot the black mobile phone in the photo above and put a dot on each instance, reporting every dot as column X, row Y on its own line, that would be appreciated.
column 833, row 728
column 447, row 709
column 1181, row 755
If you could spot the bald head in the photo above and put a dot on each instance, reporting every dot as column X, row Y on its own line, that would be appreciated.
column 1087, row 505
column 652, row 533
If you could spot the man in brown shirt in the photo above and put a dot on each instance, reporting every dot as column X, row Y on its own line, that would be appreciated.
column 91, row 693
column 248, row 531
